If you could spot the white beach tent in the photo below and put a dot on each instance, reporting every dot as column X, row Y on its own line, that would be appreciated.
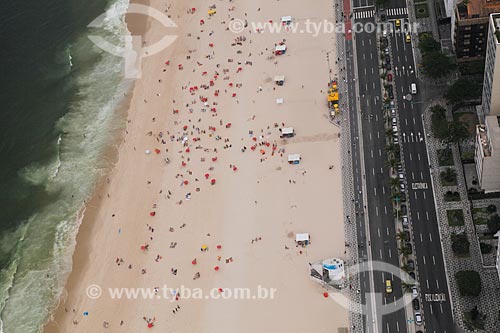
column 286, row 19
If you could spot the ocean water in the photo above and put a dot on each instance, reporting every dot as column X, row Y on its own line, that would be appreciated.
column 58, row 99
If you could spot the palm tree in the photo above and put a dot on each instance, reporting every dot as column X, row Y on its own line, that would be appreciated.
column 407, row 287
column 391, row 163
column 401, row 235
column 394, row 182
column 404, row 251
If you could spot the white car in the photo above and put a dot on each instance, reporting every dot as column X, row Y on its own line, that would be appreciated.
column 414, row 292
column 394, row 121
column 401, row 176
column 394, row 129
column 418, row 318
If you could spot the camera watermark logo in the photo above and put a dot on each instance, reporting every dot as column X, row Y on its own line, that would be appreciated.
column 165, row 293
column 134, row 51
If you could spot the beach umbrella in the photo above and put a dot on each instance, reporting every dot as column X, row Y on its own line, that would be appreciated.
column 207, row 175
column 188, row 150
column 186, row 182
column 214, row 159
column 204, row 247
column 230, row 84
column 235, row 168
column 325, row 294
column 183, row 164
column 213, row 181
column 150, row 325
column 220, row 290
column 167, row 62
column 157, row 151
column 202, row 22
column 147, row 151
column 216, row 268
column 194, row 261
column 234, row 95
column 219, row 247
column 211, row 44
column 152, row 213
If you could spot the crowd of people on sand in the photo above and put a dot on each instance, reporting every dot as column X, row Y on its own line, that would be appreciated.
column 199, row 133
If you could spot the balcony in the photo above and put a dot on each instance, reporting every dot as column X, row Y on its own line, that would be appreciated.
column 483, row 140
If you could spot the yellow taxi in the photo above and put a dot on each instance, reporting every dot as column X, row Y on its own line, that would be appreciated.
column 398, row 23
column 408, row 38
column 388, row 286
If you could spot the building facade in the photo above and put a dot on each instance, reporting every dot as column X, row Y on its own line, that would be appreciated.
column 470, row 28
column 487, row 154
column 491, row 85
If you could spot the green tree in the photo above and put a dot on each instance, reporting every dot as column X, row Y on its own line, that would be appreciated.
column 437, row 65
column 469, row 283
column 402, row 236
column 494, row 223
column 404, row 251
column 460, row 245
column 428, row 44
column 449, row 176
column 391, row 163
column 474, row 320
column 464, row 89
column 394, row 182
column 458, row 132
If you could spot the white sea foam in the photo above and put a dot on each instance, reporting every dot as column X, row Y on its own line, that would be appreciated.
column 43, row 259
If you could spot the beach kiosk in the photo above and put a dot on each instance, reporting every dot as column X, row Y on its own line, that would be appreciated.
column 280, row 49
column 287, row 132
column 294, row 158
column 279, row 80
column 303, row 239
column 286, row 20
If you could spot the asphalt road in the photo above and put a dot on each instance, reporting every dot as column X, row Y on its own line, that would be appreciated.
column 381, row 237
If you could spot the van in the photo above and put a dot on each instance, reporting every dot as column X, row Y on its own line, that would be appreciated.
column 413, row 88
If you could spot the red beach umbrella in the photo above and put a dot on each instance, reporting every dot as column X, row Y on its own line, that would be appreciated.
column 220, row 290
column 186, row 182
column 150, row 325
column 207, row 175
column 325, row 294
column 235, row 168
column 185, row 127
column 219, row 247
column 211, row 44
column 157, row 151
column 213, row 181
column 234, row 95
column 188, row 150
column 214, row 159
column 194, row 261
column 167, row 62
column 152, row 213
column 216, row 268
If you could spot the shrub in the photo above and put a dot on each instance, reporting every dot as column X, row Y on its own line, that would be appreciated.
column 469, row 283
column 460, row 245
column 485, row 248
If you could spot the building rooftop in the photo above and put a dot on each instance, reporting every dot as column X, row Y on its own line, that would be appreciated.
column 477, row 9
column 493, row 125
column 495, row 19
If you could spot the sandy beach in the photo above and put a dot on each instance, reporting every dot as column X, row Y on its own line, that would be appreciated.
column 202, row 164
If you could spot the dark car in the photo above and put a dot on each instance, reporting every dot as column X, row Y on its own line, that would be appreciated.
column 411, row 265
column 407, row 235
column 390, row 91
column 404, row 210
column 383, row 17
column 402, row 197
column 412, row 275
column 384, row 42
column 410, row 249
column 388, row 66
column 387, row 59
column 389, row 77
column 416, row 304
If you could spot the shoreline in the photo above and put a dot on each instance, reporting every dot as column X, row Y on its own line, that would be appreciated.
column 136, row 25
column 98, row 243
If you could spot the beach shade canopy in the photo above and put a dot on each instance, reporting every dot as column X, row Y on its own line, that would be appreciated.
column 294, row 158
column 287, row 131
column 152, row 213
column 286, row 19
column 211, row 11
column 219, row 247
column 213, row 181
column 279, row 100
column 216, row 268
column 147, row 151
column 204, row 247
column 304, row 237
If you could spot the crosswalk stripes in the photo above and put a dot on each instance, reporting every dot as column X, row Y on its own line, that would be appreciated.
column 364, row 14
column 397, row 11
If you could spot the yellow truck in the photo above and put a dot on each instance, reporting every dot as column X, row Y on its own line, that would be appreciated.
column 333, row 97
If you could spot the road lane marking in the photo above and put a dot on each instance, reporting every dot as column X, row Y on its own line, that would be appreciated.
column 390, row 253
column 411, row 158
column 433, row 260
column 421, row 238
column 387, row 231
column 427, row 215
column 427, row 281
column 423, row 258
column 376, row 210
column 423, row 193
column 437, row 283
column 378, row 232
column 385, row 210
column 430, row 237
